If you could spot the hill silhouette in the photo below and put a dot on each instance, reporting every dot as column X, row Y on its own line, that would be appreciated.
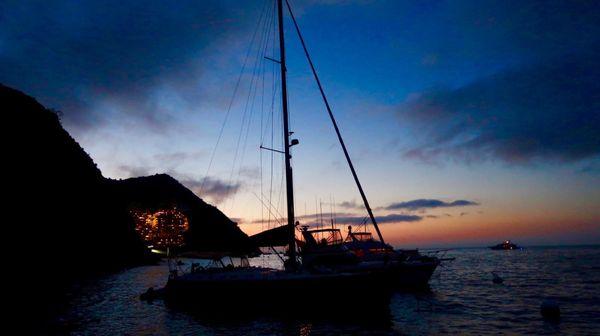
column 65, row 221
column 210, row 229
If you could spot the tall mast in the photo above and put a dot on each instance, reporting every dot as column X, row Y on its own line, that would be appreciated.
column 289, row 182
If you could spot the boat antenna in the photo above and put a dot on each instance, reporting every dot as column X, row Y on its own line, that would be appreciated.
column 321, row 212
column 331, row 211
column 289, row 182
column 337, row 130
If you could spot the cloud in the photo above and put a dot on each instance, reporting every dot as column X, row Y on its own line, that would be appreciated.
column 428, row 204
column 250, row 173
column 358, row 219
column 349, row 219
column 350, row 205
column 133, row 171
column 165, row 162
column 215, row 189
column 396, row 218
column 387, row 219
column 103, row 60
column 591, row 167
column 547, row 111
column 176, row 157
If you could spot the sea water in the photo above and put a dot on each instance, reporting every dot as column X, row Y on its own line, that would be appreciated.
column 462, row 299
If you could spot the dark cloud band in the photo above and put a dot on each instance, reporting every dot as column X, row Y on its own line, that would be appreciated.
column 428, row 204
column 548, row 111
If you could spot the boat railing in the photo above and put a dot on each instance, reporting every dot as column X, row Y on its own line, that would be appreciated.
column 439, row 254
column 192, row 264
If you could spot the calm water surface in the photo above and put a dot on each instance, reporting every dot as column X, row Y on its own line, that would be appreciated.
column 462, row 300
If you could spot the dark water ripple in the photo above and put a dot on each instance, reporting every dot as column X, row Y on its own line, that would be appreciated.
column 462, row 300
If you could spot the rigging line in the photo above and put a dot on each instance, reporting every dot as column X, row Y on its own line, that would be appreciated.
column 264, row 73
column 260, row 158
column 334, row 213
column 263, row 80
column 274, row 92
column 259, row 68
column 273, row 137
column 316, row 213
column 260, row 153
column 335, row 126
column 264, row 122
column 264, row 66
column 271, row 157
column 270, row 116
column 275, row 87
column 235, row 89
column 262, row 215
column 249, row 108
column 275, row 209
column 280, row 197
column 331, row 210
column 274, row 217
column 245, row 115
column 263, row 131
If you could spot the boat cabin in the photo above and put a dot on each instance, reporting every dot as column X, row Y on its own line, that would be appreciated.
column 322, row 237
column 506, row 245
column 363, row 244
column 194, row 261
column 359, row 236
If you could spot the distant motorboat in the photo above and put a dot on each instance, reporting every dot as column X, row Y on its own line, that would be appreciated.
column 506, row 245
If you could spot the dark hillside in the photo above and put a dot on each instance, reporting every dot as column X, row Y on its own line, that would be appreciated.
column 210, row 229
column 65, row 221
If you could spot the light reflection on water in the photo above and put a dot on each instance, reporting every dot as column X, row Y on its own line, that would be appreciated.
column 462, row 299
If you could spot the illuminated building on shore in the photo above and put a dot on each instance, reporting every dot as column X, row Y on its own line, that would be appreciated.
column 161, row 229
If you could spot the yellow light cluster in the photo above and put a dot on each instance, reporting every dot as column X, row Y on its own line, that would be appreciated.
column 163, row 228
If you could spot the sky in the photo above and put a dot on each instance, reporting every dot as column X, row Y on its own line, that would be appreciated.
column 469, row 122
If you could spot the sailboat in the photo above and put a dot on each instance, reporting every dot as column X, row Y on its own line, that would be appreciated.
column 301, row 277
column 221, row 282
column 360, row 252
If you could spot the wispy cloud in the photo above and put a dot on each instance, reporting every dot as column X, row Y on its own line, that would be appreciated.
column 133, row 171
column 350, row 205
column 428, row 204
column 591, row 168
column 213, row 188
column 546, row 111
column 177, row 157
column 352, row 219
column 103, row 60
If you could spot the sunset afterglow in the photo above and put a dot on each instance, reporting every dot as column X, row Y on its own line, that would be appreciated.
column 488, row 113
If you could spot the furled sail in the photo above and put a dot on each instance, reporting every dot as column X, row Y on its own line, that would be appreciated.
column 278, row 236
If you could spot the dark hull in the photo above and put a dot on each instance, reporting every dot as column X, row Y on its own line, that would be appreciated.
column 317, row 294
column 414, row 275
column 504, row 247
column 406, row 275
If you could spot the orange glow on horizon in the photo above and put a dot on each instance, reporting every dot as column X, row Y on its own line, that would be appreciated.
column 479, row 228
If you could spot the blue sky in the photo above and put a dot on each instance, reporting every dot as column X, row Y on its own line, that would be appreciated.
column 491, row 102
